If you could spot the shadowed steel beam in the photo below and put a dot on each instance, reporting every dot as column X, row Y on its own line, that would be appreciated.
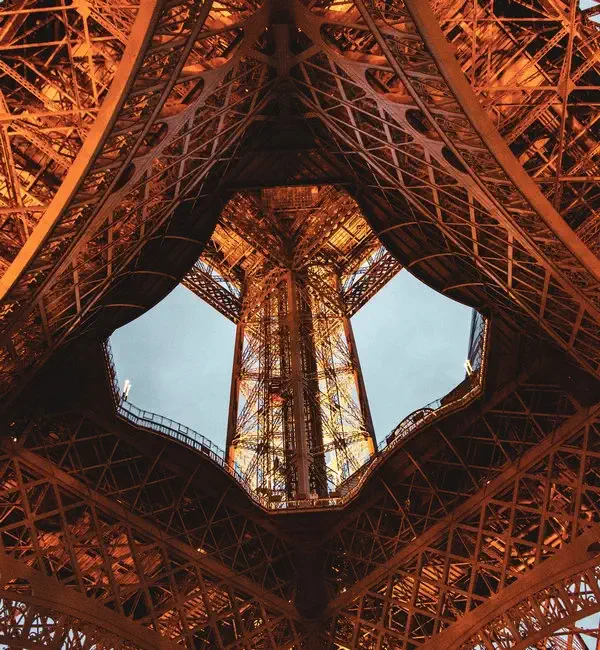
column 552, row 440
column 574, row 557
column 440, row 51
column 301, row 451
column 139, row 39
column 52, row 472
column 49, row 593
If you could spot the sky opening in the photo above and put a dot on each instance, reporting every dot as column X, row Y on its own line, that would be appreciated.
column 412, row 343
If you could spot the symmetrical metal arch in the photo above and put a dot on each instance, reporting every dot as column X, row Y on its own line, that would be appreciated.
column 419, row 140
column 143, row 570
column 467, row 133
column 98, row 626
column 516, row 521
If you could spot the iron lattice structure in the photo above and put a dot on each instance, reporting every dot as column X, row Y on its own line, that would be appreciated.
column 290, row 267
column 146, row 144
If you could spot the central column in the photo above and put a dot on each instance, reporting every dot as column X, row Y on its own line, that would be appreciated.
column 302, row 456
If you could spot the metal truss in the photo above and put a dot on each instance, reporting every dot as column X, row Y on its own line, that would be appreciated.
column 360, row 285
column 289, row 268
column 438, row 575
column 172, row 113
column 550, row 603
column 165, row 576
column 58, row 63
column 418, row 142
column 466, row 133
column 432, row 485
column 541, row 94
column 495, row 498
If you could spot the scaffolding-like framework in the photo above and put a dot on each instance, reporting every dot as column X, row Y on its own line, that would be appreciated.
column 139, row 140
column 290, row 266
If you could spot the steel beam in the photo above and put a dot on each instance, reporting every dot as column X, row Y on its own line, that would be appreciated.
column 445, row 60
column 48, row 593
column 570, row 561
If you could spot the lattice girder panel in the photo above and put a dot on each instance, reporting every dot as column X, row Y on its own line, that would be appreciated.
column 432, row 481
column 93, row 545
column 405, row 126
column 522, row 517
column 364, row 282
column 263, row 434
column 29, row 625
column 541, row 95
column 562, row 616
column 189, row 102
column 58, row 63
column 197, row 517
column 293, row 254
column 218, row 292
column 378, row 93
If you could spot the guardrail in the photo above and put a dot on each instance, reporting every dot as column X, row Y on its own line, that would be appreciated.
column 161, row 424
column 463, row 394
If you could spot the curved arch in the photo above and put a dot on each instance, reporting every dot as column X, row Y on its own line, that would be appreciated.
column 133, row 57
column 573, row 569
column 438, row 48
column 48, row 593
column 447, row 64
column 478, row 198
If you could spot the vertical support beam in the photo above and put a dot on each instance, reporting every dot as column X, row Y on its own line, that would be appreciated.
column 297, row 385
column 234, row 394
column 359, row 381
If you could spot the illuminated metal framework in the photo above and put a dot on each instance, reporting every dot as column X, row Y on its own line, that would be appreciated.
column 468, row 133
column 290, row 266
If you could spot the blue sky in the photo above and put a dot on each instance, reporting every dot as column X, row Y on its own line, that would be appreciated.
column 412, row 344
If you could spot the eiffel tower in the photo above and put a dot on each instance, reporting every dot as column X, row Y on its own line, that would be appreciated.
column 284, row 159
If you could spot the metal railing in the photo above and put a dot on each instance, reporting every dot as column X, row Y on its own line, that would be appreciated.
column 461, row 396
column 161, row 424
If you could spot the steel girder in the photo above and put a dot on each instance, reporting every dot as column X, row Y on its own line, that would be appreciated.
column 58, row 62
column 552, row 596
column 381, row 83
column 37, row 611
column 384, row 94
column 82, row 501
column 133, row 552
column 416, row 139
column 89, row 508
column 522, row 516
column 186, row 105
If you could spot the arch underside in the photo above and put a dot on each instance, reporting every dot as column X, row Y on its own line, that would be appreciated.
column 454, row 530
column 360, row 96
column 450, row 541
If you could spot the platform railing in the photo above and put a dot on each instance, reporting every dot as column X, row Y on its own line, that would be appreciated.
column 457, row 399
column 125, row 410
